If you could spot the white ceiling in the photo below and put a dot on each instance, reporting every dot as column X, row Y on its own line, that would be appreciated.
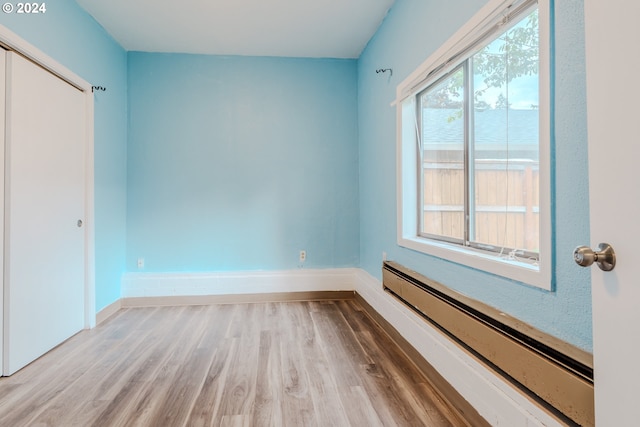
column 294, row 28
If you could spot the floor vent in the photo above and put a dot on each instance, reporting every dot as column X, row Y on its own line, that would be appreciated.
column 555, row 373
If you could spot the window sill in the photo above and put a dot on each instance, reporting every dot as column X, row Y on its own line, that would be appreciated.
column 526, row 273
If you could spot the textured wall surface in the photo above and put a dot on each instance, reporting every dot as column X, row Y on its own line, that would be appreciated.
column 238, row 163
column 410, row 33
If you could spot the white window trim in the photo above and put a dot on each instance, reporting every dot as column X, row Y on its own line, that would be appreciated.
column 406, row 156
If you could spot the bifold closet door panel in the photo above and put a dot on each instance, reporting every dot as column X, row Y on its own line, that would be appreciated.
column 44, row 210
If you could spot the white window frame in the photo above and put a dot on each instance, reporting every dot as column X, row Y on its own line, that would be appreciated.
column 538, row 275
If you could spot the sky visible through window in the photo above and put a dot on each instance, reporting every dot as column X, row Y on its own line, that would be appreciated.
column 506, row 70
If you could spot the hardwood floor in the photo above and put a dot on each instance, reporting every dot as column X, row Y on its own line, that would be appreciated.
column 322, row 363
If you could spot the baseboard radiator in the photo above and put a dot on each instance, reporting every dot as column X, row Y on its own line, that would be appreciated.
column 555, row 374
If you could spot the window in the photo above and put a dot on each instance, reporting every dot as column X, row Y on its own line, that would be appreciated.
column 474, row 144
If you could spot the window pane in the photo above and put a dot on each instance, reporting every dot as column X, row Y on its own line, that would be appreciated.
column 505, row 206
column 442, row 107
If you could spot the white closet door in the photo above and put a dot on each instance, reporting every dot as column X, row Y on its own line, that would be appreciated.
column 44, row 200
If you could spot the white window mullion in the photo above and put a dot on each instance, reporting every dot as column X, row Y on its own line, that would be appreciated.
column 470, row 157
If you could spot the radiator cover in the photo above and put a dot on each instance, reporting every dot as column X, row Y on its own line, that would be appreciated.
column 553, row 372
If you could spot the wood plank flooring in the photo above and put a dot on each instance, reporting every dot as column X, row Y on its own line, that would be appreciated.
column 321, row 363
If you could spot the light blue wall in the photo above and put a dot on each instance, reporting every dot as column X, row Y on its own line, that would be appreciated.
column 72, row 37
column 412, row 30
column 238, row 163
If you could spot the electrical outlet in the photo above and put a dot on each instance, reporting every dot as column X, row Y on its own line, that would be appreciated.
column 140, row 262
column 303, row 256
column 384, row 256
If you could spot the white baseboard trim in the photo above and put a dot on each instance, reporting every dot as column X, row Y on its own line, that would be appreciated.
column 135, row 285
column 496, row 400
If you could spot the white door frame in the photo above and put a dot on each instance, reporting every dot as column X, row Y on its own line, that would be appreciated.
column 13, row 42
column 3, row 83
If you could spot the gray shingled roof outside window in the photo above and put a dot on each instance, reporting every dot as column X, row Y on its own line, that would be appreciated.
column 442, row 125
